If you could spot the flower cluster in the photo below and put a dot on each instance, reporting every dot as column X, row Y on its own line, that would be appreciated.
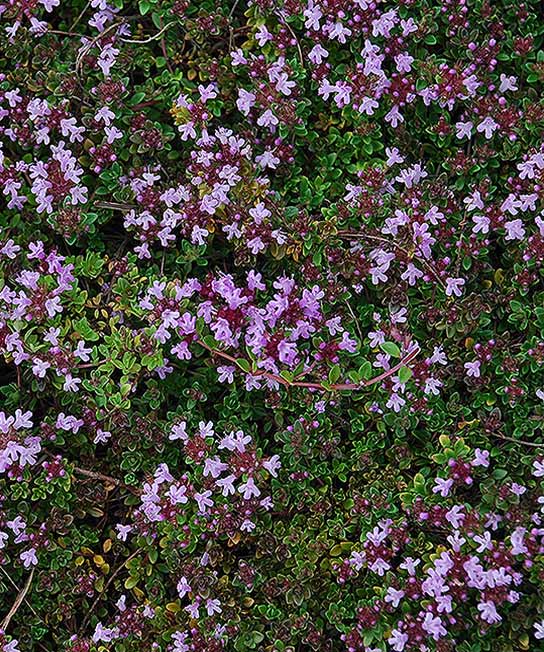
column 271, row 325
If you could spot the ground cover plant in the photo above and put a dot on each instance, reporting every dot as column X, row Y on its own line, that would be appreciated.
column 271, row 325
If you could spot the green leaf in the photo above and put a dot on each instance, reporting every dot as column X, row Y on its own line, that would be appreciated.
column 334, row 374
column 391, row 348
column 131, row 582
column 365, row 370
column 405, row 374
column 243, row 364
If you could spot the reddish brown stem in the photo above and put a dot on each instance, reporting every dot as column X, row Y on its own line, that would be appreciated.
column 313, row 385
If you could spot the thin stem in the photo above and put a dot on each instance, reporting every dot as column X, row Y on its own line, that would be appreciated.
column 106, row 478
column 377, row 238
column 314, row 385
column 113, row 576
column 18, row 590
column 18, row 601
column 521, row 442
column 151, row 38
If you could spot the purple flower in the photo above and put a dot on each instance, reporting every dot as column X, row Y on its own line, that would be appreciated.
column 249, row 489
column 454, row 286
column 226, row 485
column 203, row 501
column 538, row 468
column 226, row 373
column 443, row 487
column 213, row 606
column 481, row 458
column 123, row 531
column 433, row 626
column 272, row 465
column 104, row 634
column 514, row 230
column 488, row 612
column 539, row 629
column 464, row 129
column 473, row 368
column 393, row 596
column 398, row 640
column 183, row 587
column 28, row 557
column 487, row 126
column 71, row 384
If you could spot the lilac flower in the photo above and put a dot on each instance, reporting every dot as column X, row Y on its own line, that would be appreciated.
column 272, row 465
column 226, row 373
column 517, row 489
column 393, row 596
column 177, row 495
column 104, row 634
column 317, row 54
column 514, row 230
column 213, row 606
column 487, row 126
column 214, row 467
column 433, row 626
column 539, row 630
column 247, row 525
column 101, row 436
column 508, row 83
column 481, row 224
column 28, row 557
column 484, row 542
column 488, row 612
column 312, row 15
column 398, row 640
column 245, row 101
column 192, row 609
column 267, row 119
column 516, row 539
column 538, row 468
column 123, row 531
column 71, row 384
column 481, row 458
column 262, row 35
column 226, row 485
column 203, row 501
column 183, row 587
column 443, row 487
column 473, row 368
column 249, row 489
column 454, row 286
column 463, row 129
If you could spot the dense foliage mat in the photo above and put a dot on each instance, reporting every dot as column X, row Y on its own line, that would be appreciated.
column 271, row 325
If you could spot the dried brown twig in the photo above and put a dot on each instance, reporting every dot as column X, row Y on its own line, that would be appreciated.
column 18, row 601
